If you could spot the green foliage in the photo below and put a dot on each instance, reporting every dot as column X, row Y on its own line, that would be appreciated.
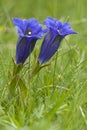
column 56, row 98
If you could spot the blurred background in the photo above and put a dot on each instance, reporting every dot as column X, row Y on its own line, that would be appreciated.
column 40, row 9
column 73, row 10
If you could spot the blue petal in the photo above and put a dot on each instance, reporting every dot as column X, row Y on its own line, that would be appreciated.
column 49, row 22
column 31, row 25
column 60, row 28
column 20, row 25
column 24, row 47
column 49, row 47
column 35, row 27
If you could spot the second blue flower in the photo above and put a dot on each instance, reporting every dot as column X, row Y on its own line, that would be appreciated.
column 56, row 32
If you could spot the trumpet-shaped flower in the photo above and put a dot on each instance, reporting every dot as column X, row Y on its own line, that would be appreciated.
column 55, row 34
column 29, row 32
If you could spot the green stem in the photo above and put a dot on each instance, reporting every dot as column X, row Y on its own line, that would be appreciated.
column 37, row 68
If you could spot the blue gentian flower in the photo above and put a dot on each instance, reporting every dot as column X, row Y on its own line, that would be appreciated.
column 55, row 34
column 29, row 32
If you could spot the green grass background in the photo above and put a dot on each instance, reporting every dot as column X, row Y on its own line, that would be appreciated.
column 57, row 96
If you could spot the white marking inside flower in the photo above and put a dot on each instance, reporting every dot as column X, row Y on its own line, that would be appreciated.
column 59, row 30
column 29, row 33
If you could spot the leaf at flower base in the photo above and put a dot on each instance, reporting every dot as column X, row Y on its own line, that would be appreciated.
column 16, row 67
column 18, row 83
